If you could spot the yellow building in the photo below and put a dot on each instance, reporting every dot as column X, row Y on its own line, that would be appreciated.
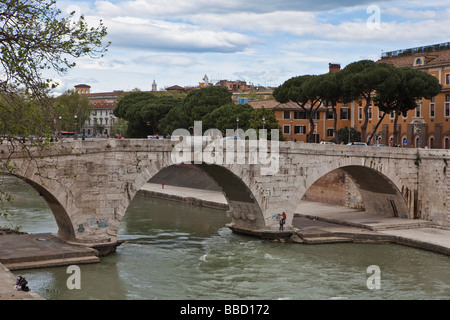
column 428, row 125
column 294, row 123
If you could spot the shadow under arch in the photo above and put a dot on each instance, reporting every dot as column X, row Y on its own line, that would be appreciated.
column 375, row 192
column 243, row 208
column 65, row 228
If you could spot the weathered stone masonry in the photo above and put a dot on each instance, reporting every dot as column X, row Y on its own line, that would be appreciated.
column 89, row 184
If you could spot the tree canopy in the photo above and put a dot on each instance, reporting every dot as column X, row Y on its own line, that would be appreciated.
column 144, row 112
column 401, row 92
column 225, row 117
column 199, row 103
column 34, row 37
column 305, row 92
column 263, row 118
column 360, row 80
column 71, row 110
column 196, row 105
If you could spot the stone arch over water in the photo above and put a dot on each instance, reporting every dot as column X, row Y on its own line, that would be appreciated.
column 244, row 209
column 62, row 218
column 381, row 191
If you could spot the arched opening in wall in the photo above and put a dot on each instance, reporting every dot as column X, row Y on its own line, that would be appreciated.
column 446, row 143
column 391, row 141
column 404, row 142
column 198, row 201
column 24, row 208
column 356, row 188
column 431, row 143
column 417, row 142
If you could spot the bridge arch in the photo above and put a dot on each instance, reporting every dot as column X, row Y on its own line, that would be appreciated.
column 63, row 221
column 244, row 209
column 381, row 190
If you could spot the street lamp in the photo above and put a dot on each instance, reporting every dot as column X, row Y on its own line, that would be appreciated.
column 264, row 121
column 75, row 136
column 237, row 123
column 59, row 127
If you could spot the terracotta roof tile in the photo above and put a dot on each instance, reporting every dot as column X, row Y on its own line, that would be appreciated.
column 275, row 105
column 103, row 105
column 431, row 59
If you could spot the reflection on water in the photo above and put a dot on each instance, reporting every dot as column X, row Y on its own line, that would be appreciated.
column 179, row 251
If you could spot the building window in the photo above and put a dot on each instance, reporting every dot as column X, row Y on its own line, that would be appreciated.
column 345, row 114
column 300, row 129
column 299, row 115
column 447, row 109
column 447, row 79
column 287, row 129
column 370, row 112
column 330, row 132
column 392, row 115
column 286, row 114
column 360, row 113
column 380, row 114
column 418, row 110
column 431, row 110
column 330, row 114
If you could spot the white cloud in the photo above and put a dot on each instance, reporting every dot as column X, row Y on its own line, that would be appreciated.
column 168, row 60
column 154, row 34
column 263, row 42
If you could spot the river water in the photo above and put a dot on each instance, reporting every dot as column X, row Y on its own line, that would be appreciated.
column 179, row 251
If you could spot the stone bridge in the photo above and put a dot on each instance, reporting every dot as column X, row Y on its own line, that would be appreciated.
column 89, row 184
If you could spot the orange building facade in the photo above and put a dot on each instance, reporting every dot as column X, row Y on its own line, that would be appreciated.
column 426, row 126
column 429, row 124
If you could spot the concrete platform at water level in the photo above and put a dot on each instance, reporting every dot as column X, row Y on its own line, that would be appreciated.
column 25, row 251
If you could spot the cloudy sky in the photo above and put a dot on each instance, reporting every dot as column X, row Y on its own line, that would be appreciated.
column 264, row 42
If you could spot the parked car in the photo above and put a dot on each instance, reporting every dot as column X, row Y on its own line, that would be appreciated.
column 380, row 145
column 232, row 138
column 357, row 144
column 326, row 142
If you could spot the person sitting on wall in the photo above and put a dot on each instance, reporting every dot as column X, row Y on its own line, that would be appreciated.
column 21, row 284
